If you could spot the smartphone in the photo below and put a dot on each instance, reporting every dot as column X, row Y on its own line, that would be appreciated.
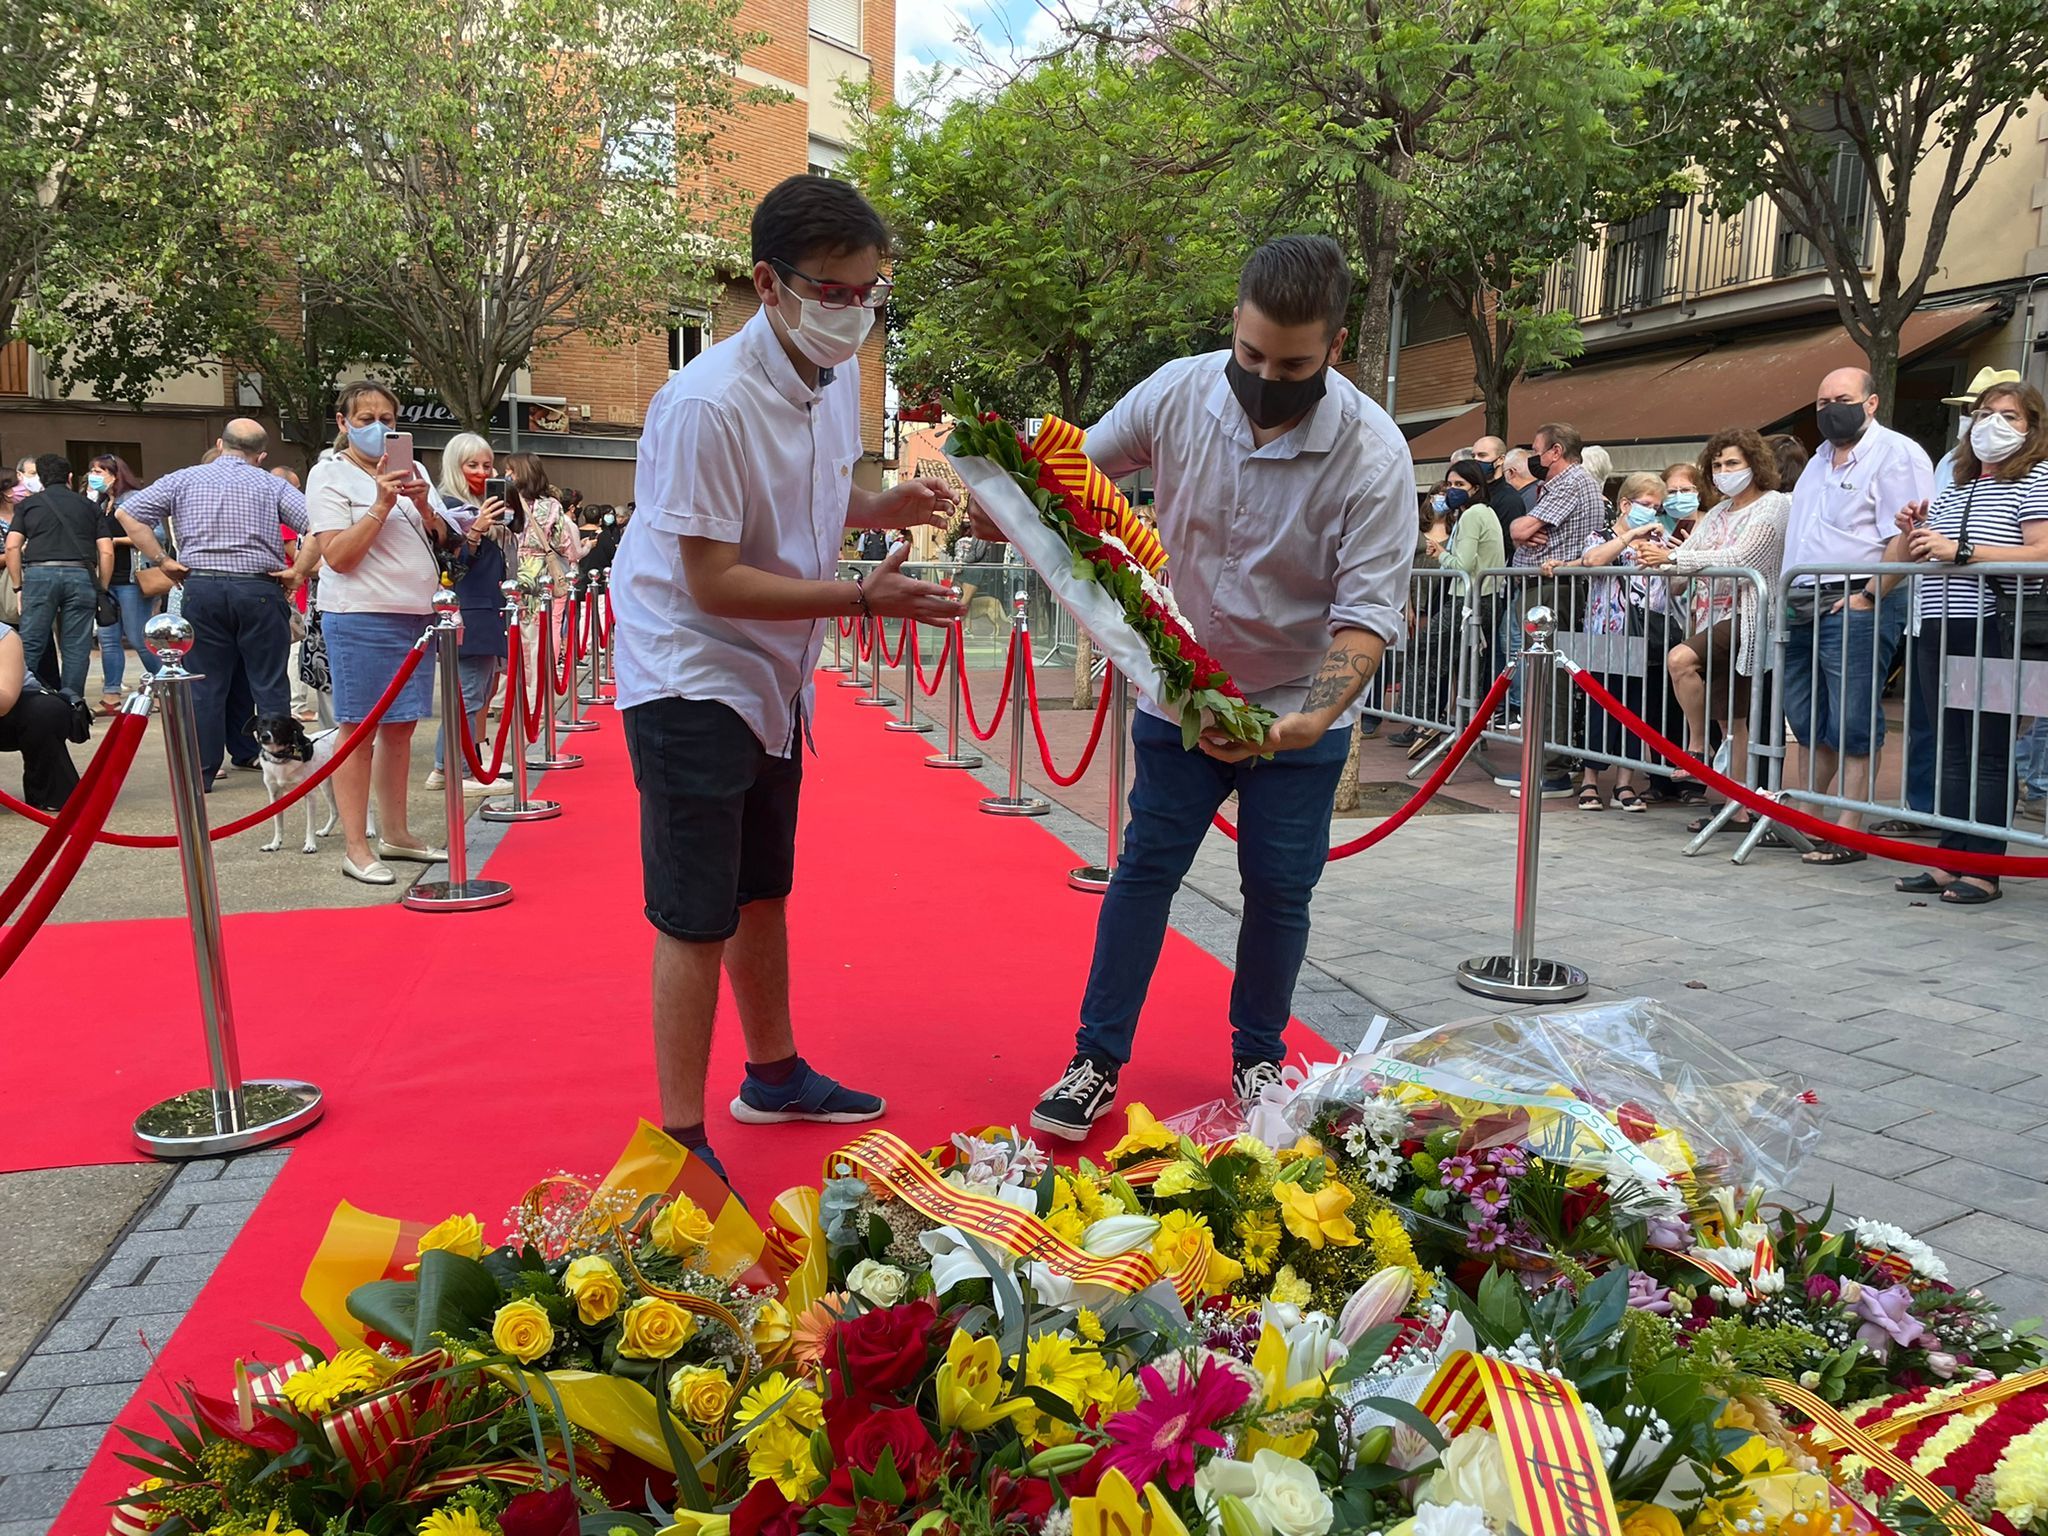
column 398, row 458
column 495, row 489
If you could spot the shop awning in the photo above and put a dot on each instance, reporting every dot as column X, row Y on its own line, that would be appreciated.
column 1692, row 392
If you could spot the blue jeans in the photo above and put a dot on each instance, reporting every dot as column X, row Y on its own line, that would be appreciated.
column 1923, row 730
column 2033, row 757
column 63, row 597
column 1283, row 819
column 135, row 612
column 241, row 632
column 1835, row 703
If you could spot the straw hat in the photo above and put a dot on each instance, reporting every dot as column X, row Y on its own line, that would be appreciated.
column 1986, row 378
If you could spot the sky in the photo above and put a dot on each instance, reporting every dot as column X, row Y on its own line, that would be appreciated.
column 928, row 31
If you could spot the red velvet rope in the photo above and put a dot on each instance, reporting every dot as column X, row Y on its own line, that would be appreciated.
column 902, row 639
column 1988, row 866
column 864, row 640
column 529, row 708
column 1426, row 792
column 97, row 802
column 61, row 824
column 305, row 786
column 1065, row 780
column 566, row 662
column 1002, row 700
column 845, row 625
column 945, row 660
column 507, row 724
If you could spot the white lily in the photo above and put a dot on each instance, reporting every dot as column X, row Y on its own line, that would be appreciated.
column 1113, row 1235
column 1310, row 1338
column 1379, row 1301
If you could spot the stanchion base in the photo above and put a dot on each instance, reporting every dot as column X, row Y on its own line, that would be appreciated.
column 851, row 682
column 1003, row 805
column 1544, row 981
column 568, row 727
column 908, row 727
column 878, row 701
column 839, row 666
column 1092, row 878
column 555, row 764
column 448, row 896
column 940, row 760
column 187, row 1125
column 533, row 810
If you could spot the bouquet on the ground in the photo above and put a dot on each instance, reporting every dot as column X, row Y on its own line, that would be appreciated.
column 1097, row 534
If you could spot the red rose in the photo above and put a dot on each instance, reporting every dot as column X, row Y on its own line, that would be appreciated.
column 549, row 1513
column 876, row 1355
column 764, row 1512
column 1582, row 1205
column 898, row 1432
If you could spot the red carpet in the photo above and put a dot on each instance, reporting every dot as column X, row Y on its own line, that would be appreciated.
column 938, row 957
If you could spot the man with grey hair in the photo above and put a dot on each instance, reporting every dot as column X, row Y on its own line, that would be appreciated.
column 228, row 517
column 1514, row 468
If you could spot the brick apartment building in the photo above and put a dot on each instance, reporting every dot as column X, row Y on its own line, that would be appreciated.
column 578, row 404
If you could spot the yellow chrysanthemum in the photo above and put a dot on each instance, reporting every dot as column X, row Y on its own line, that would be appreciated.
column 1112, row 1392
column 1059, row 1366
column 782, row 1456
column 1179, row 1178
column 1088, row 1326
column 1087, row 1195
column 1392, row 1246
column 452, row 1522
column 1259, row 1231
column 1068, row 1224
column 765, row 1406
column 1290, row 1289
column 1143, row 1133
column 2019, row 1484
column 319, row 1387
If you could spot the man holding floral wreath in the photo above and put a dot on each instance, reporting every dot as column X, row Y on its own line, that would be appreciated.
column 721, row 588
column 1287, row 500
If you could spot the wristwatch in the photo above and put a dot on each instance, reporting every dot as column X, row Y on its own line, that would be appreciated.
column 1965, row 552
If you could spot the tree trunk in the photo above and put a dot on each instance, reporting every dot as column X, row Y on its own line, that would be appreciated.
column 1347, row 781
column 1378, row 234
column 1084, row 671
column 1881, row 351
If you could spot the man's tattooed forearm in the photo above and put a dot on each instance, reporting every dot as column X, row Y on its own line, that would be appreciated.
column 1339, row 678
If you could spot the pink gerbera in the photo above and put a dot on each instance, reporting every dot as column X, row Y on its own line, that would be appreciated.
column 1155, row 1442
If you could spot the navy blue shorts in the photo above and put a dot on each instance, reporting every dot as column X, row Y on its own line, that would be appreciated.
column 717, row 816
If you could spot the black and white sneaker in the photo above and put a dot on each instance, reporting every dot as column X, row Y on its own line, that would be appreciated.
column 1248, row 1077
column 1082, row 1096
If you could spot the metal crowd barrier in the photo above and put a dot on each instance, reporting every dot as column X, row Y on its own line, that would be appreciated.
column 990, row 590
column 1430, row 682
column 1955, row 721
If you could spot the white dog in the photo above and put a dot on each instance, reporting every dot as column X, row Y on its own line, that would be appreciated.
column 288, row 756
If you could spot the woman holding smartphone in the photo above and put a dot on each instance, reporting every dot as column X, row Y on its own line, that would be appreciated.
column 381, row 527
column 478, row 565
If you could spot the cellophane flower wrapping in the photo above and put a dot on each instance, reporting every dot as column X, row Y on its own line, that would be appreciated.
column 1666, row 1091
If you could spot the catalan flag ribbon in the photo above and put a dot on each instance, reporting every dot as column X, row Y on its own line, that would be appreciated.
column 1058, row 447
column 887, row 1161
column 1556, row 1473
column 1828, row 1422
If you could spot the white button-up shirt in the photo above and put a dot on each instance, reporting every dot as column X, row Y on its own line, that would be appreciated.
column 1273, row 549
column 1845, row 514
column 739, row 449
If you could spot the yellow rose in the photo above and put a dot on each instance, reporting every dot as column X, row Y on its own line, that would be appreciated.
column 681, row 1227
column 1650, row 1520
column 458, row 1234
column 595, row 1287
column 702, row 1394
column 1317, row 1217
column 772, row 1329
column 1184, row 1238
column 522, row 1330
column 1145, row 1134
column 655, row 1329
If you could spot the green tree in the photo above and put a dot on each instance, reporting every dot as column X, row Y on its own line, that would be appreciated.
column 1343, row 106
column 1856, row 118
column 472, row 180
column 1043, row 263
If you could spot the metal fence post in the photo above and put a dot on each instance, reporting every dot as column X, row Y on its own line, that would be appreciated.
column 229, row 1115
column 1014, row 802
column 1520, row 977
column 1095, row 878
column 518, row 808
column 458, row 893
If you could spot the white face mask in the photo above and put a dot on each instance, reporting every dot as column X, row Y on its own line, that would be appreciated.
column 828, row 337
column 1994, row 439
column 1732, row 482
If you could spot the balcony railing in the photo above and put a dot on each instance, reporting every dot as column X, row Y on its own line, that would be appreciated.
column 1677, row 255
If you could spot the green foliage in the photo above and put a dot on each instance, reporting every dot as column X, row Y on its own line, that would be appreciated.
column 1043, row 264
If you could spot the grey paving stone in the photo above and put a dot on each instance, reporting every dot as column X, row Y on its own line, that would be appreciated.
column 1991, row 1073
column 168, row 1216
column 200, row 1171
column 1993, row 1240
column 1822, row 1065
column 2022, row 1198
column 2021, row 1296
column 1965, row 1272
column 48, row 1450
column 1886, row 1156
column 2010, row 1110
column 1857, row 1193
column 225, row 1217
column 1865, row 1110
column 26, row 1495
column 1973, row 1039
column 86, row 1368
column 2020, row 1154
column 88, row 1405
column 1928, row 1004
column 136, row 1301
column 24, row 1409
column 72, row 1333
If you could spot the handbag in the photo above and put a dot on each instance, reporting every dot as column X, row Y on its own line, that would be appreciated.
column 10, row 598
column 313, row 654
column 105, row 610
column 152, row 582
column 2026, row 634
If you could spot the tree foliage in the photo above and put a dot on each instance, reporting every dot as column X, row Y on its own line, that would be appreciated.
column 1043, row 262
column 1777, row 98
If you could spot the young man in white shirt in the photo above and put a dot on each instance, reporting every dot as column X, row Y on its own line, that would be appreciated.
column 721, row 587
column 1287, row 501
column 1840, row 641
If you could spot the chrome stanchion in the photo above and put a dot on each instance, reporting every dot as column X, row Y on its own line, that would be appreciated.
column 605, row 676
column 551, row 758
column 874, row 698
column 956, row 754
column 230, row 1115
column 1015, row 802
column 1095, row 877
column 838, row 661
column 518, row 808
column 908, row 723
column 458, row 893
column 577, row 613
column 1521, row 977
column 593, row 627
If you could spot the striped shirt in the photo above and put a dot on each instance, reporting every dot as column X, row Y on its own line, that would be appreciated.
column 1574, row 509
column 228, row 515
column 1996, row 509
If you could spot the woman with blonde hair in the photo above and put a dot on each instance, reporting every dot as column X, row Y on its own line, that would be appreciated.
column 380, row 532
column 478, row 564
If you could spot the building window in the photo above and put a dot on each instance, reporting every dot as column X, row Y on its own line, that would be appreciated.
column 689, row 336
column 1427, row 319
column 827, row 158
column 81, row 451
column 1849, row 184
column 1636, row 260
column 838, row 20
column 646, row 149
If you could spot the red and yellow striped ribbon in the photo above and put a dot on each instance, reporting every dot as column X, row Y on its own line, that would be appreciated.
column 1058, row 447
column 1893, row 1426
column 1559, row 1481
column 887, row 1161
column 1824, row 1417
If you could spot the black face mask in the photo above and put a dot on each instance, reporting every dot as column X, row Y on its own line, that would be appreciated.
column 1841, row 424
column 1539, row 469
column 1271, row 402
